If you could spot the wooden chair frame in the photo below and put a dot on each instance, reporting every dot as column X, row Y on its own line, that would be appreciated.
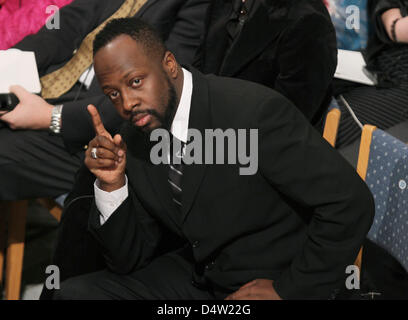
column 331, row 126
column 17, row 214
column 362, row 165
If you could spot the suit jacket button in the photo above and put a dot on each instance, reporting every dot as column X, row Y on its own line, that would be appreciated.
column 196, row 244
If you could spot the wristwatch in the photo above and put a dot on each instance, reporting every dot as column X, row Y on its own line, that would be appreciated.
column 55, row 125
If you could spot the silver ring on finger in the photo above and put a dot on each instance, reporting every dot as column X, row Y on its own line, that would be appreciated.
column 94, row 154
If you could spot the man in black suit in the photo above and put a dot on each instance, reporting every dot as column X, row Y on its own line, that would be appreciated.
column 287, row 45
column 287, row 230
column 35, row 163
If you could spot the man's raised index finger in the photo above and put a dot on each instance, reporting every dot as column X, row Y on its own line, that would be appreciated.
column 96, row 120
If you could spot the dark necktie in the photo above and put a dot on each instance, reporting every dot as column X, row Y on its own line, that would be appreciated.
column 176, row 170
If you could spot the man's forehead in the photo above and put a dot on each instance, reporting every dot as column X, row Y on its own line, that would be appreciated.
column 122, row 49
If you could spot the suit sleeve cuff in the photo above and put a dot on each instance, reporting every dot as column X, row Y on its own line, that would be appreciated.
column 108, row 202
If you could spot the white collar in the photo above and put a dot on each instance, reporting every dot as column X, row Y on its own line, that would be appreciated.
column 179, row 126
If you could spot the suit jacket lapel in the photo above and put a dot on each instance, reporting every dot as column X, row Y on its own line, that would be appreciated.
column 256, row 34
column 158, row 177
column 199, row 119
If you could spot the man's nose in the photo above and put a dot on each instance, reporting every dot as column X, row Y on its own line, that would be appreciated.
column 130, row 101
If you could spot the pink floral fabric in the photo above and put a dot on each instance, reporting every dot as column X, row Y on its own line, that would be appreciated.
column 19, row 18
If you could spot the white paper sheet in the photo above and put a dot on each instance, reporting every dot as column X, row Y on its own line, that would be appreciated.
column 350, row 67
column 18, row 67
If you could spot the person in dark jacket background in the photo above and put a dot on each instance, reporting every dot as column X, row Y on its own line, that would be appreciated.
column 287, row 45
column 387, row 50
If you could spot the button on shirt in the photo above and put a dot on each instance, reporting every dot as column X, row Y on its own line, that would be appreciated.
column 108, row 202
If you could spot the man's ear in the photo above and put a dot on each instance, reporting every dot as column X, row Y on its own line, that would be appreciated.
column 170, row 65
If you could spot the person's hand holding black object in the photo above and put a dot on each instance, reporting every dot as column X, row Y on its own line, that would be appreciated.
column 106, row 156
column 8, row 101
column 32, row 111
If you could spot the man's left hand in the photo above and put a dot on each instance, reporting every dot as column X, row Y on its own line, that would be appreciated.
column 32, row 112
column 260, row 289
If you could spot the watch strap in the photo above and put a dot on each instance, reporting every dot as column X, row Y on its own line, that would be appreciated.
column 55, row 125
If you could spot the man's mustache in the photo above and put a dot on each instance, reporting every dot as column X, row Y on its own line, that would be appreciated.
column 148, row 111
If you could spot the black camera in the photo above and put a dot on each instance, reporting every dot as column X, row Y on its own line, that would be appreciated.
column 8, row 101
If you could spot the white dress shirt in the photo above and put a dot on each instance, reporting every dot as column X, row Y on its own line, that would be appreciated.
column 108, row 202
column 87, row 76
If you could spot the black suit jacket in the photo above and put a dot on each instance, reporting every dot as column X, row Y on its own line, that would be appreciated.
column 180, row 23
column 287, row 45
column 300, row 220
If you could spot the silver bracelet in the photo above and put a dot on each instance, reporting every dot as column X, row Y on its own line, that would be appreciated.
column 393, row 33
column 55, row 125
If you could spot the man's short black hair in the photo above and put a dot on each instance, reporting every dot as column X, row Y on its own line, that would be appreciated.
column 140, row 31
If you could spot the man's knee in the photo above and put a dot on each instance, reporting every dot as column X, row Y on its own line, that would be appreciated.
column 68, row 290
column 77, row 288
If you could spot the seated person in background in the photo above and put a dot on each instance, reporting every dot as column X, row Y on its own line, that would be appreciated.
column 286, row 230
column 35, row 163
column 20, row 18
column 286, row 45
column 386, row 104
column 387, row 53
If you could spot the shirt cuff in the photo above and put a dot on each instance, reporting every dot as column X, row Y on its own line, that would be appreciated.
column 108, row 202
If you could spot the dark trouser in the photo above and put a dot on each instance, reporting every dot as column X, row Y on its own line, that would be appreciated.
column 34, row 164
column 381, row 107
column 168, row 277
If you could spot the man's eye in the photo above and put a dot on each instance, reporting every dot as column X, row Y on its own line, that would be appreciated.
column 114, row 95
column 136, row 82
